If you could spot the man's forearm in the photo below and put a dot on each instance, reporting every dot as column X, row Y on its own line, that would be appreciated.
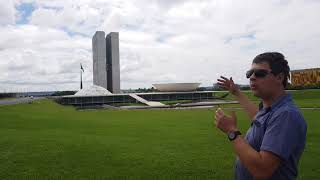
column 248, row 105
column 250, row 158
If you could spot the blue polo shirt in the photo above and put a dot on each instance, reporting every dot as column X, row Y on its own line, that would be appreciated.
column 280, row 129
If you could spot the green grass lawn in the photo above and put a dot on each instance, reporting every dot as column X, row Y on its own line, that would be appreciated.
column 45, row 140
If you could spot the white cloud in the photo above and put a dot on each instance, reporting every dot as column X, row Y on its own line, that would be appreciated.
column 7, row 12
column 35, row 55
column 160, row 41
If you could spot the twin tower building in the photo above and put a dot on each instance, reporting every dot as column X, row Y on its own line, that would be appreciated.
column 106, row 68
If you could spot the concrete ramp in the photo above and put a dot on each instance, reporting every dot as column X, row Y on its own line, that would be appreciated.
column 155, row 103
column 149, row 103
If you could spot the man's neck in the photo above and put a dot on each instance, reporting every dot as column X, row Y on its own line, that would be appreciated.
column 267, row 102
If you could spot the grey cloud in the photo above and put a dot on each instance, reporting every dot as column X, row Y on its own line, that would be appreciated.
column 167, row 4
column 40, row 82
column 19, row 67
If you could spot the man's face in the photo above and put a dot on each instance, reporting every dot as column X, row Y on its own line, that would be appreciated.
column 262, row 82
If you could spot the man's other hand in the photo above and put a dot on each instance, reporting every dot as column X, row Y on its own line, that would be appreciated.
column 225, row 123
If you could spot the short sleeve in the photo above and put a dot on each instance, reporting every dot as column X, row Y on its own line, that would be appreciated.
column 282, row 134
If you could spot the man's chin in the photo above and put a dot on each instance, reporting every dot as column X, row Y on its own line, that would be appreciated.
column 255, row 93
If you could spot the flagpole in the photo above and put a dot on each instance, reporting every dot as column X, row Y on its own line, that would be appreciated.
column 80, row 79
column 81, row 69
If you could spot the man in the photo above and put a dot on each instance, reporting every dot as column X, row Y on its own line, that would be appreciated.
column 275, row 141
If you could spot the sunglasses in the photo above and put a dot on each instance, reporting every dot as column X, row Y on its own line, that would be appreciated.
column 259, row 73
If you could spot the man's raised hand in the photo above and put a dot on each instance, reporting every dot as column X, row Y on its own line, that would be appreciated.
column 228, row 84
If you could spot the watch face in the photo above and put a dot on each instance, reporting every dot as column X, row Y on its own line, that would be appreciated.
column 232, row 135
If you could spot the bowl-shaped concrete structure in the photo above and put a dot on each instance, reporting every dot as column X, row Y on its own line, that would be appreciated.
column 176, row 87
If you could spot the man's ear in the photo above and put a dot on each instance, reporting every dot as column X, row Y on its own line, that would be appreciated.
column 280, row 77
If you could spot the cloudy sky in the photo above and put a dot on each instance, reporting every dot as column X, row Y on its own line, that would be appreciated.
column 42, row 42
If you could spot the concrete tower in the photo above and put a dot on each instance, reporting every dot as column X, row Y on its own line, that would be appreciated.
column 106, row 66
column 113, row 65
column 99, row 59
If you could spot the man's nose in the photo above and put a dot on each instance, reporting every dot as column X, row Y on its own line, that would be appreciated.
column 252, row 77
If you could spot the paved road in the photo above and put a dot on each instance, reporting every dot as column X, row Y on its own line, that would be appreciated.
column 18, row 100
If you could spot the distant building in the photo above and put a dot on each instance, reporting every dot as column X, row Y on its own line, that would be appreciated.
column 305, row 77
column 106, row 65
column 176, row 87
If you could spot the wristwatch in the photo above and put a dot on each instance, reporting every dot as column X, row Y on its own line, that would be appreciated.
column 233, row 135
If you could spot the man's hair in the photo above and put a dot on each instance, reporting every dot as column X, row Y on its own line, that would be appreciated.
column 277, row 63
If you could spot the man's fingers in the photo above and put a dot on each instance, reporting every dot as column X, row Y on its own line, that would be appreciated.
column 217, row 117
column 223, row 85
column 224, row 78
column 221, row 81
column 220, row 112
column 216, row 122
column 231, row 81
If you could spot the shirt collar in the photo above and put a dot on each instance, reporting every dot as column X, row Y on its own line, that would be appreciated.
column 281, row 100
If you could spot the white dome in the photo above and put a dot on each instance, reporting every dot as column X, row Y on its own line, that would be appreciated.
column 93, row 91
